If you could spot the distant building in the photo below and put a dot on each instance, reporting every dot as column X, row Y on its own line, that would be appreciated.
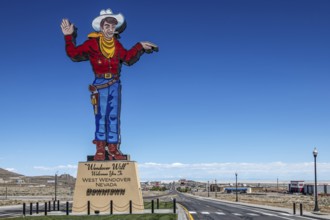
column 144, row 185
column 155, row 183
column 321, row 189
column 215, row 188
column 183, row 182
column 296, row 186
column 239, row 190
column 19, row 181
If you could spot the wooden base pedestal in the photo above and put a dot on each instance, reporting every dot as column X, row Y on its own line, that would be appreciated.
column 100, row 182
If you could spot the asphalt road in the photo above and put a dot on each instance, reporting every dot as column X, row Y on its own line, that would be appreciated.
column 10, row 211
column 205, row 209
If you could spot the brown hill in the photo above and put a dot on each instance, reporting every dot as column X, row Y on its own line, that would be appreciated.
column 63, row 179
column 5, row 174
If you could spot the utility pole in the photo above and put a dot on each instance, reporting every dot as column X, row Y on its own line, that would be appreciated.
column 316, row 206
column 236, row 188
column 216, row 188
column 55, row 186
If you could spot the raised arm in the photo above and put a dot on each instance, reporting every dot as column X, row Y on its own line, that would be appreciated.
column 76, row 53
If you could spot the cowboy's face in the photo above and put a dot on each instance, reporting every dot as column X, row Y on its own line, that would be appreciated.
column 108, row 30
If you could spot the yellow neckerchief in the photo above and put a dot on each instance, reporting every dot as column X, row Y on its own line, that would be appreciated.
column 107, row 46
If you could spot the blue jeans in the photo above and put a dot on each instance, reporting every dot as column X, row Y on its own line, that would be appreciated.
column 107, row 119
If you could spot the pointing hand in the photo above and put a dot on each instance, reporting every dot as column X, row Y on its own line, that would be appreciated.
column 149, row 47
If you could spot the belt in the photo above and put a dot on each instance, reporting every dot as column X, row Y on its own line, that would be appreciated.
column 94, row 88
column 106, row 76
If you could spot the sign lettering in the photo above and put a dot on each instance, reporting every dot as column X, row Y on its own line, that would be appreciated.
column 104, row 180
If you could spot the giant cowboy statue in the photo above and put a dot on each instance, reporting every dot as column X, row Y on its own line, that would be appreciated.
column 106, row 55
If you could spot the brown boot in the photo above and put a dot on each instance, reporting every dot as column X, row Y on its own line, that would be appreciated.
column 115, row 153
column 100, row 150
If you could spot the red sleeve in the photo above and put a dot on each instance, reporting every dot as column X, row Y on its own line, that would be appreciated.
column 79, row 53
column 129, row 57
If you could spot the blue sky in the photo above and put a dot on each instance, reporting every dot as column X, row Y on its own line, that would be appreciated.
column 236, row 86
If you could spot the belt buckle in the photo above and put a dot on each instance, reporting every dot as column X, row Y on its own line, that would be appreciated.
column 107, row 75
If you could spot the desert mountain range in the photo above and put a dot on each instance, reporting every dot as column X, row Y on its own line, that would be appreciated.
column 5, row 174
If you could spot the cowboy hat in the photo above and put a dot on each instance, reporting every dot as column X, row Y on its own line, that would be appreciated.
column 108, row 13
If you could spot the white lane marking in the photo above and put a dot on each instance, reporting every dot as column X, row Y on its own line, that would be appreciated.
column 268, row 214
column 252, row 214
column 285, row 214
column 254, row 209
column 205, row 213
column 220, row 213
column 282, row 217
column 192, row 212
column 237, row 214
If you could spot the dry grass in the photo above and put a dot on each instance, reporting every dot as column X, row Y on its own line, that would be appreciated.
column 19, row 194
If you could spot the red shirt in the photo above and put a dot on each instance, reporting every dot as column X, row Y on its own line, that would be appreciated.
column 89, row 50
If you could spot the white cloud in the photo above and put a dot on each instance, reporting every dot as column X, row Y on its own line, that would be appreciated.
column 59, row 167
column 226, row 171
column 11, row 169
column 220, row 171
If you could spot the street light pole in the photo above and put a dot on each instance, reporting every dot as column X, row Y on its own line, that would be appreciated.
column 208, row 188
column 236, row 188
column 55, row 186
column 216, row 188
column 316, row 207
